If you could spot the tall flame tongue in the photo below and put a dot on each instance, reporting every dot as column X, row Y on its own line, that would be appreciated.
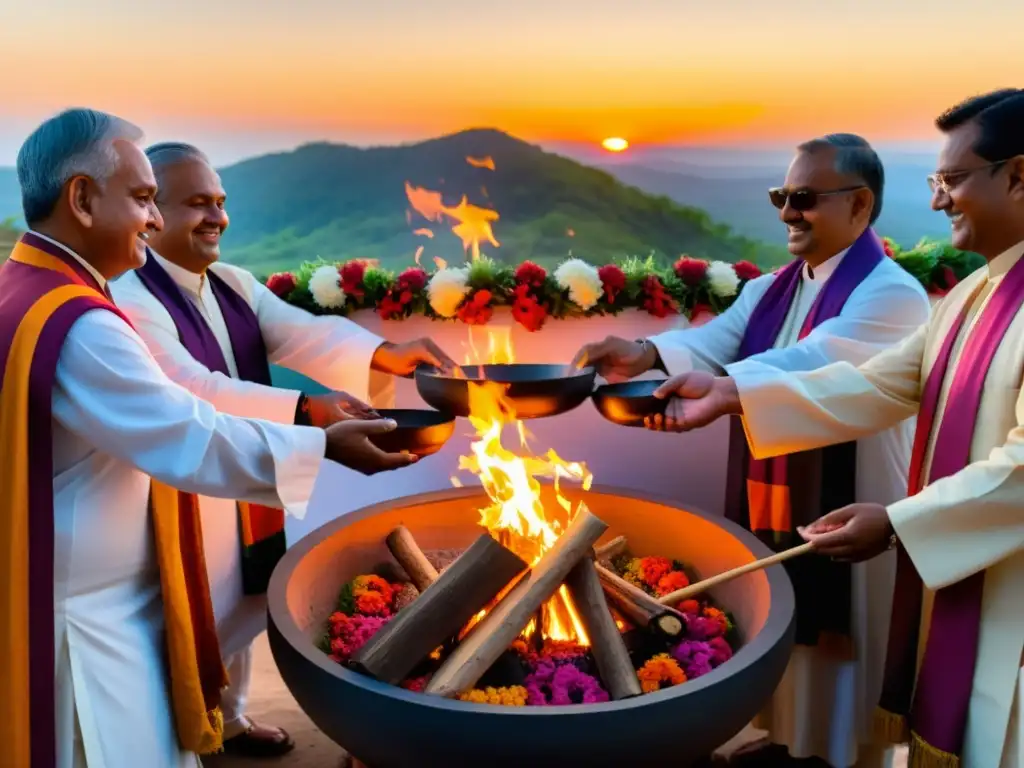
column 517, row 516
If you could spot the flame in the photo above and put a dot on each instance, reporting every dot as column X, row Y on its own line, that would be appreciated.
column 481, row 162
column 416, row 258
column 517, row 516
column 472, row 223
column 424, row 232
column 440, row 263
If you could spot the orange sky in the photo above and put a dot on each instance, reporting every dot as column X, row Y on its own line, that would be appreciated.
column 651, row 70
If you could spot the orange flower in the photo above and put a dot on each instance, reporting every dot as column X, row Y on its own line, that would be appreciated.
column 672, row 581
column 717, row 615
column 660, row 669
column 689, row 606
column 372, row 583
column 372, row 604
column 654, row 568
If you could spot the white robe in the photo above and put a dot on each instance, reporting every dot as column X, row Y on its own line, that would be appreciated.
column 969, row 522
column 331, row 350
column 823, row 707
column 118, row 419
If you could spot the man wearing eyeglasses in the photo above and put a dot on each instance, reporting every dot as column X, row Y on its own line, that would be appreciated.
column 840, row 299
column 954, row 672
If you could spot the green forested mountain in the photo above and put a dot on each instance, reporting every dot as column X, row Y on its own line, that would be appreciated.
column 339, row 202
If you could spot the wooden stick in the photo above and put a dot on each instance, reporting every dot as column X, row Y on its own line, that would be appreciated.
column 496, row 631
column 641, row 608
column 606, row 642
column 465, row 587
column 613, row 548
column 408, row 554
column 673, row 598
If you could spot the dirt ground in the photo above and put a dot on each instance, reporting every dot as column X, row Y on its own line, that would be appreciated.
column 272, row 704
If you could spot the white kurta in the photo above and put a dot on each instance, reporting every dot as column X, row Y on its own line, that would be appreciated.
column 969, row 522
column 823, row 706
column 118, row 420
column 331, row 350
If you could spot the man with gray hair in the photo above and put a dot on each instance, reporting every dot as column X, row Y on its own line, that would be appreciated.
column 840, row 299
column 215, row 329
column 109, row 653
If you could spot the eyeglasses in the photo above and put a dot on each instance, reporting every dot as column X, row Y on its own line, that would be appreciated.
column 803, row 199
column 946, row 180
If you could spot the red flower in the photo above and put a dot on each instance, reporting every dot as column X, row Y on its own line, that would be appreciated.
column 691, row 271
column 413, row 279
column 944, row 281
column 352, row 278
column 658, row 302
column 887, row 248
column 392, row 307
column 527, row 311
column 477, row 309
column 614, row 280
column 281, row 284
column 746, row 270
column 531, row 274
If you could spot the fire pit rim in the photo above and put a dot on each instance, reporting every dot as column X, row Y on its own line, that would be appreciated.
column 774, row 630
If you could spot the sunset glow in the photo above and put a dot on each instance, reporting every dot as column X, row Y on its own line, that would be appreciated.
column 678, row 73
column 615, row 145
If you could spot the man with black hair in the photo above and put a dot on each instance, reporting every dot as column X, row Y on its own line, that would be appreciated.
column 954, row 684
column 215, row 329
column 842, row 298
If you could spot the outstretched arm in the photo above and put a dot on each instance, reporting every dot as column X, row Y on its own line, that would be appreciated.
column 111, row 392
column 788, row 412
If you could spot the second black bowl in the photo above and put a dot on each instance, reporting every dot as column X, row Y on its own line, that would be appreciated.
column 419, row 431
column 629, row 402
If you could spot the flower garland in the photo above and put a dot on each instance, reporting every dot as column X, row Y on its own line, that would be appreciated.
column 576, row 288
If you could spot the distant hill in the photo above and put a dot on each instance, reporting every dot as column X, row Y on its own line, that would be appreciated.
column 742, row 202
column 339, row 202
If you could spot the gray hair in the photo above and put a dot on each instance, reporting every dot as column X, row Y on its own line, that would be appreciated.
column 77, row 142
column 854, row 156
column 170, row 153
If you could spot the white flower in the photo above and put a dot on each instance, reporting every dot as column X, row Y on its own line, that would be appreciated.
column 581, row 280
column 722, row 279
column 325, row 285
column 446, row 290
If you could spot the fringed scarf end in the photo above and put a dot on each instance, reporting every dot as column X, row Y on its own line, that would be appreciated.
column 924, row 755
column 891, row 728
column 213, row 741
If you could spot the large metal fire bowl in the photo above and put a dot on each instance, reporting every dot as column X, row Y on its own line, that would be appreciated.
column 389, row 727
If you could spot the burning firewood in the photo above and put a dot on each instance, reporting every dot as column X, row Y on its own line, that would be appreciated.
column 408, row 554
column 642, row 609
column 609, row 649
column 612, row 549
column 444, row 607
column 496, row 631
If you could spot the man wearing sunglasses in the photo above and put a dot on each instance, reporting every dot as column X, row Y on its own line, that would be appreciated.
column 954, row 686
column 840, row 299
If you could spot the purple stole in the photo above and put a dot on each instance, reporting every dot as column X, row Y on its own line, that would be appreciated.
column 262, row 528
column 933, row 716
column 772, row 497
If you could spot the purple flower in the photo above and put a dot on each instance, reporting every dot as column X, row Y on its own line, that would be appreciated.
column 702, row 628
column 721, row 652
column 560, row 684
column 695, row 657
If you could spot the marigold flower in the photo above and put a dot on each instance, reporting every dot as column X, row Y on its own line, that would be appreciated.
column 659, row 670
column 512, row 696
column 671, row 581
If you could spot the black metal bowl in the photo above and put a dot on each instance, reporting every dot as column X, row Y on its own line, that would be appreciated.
column 419, row 431
column 629, row 402
column 533, row 390
column 389, row 727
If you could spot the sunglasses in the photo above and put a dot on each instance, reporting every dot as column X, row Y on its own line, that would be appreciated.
column 803, row 199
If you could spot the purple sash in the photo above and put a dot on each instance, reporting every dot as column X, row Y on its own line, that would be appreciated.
column 773, row 497
column 935, row 712
column 262, row 528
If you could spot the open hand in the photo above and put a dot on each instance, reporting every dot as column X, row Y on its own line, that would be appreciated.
column 332, row 407
column 854, row 533
column 697, row 399
column 616, row 358
column 348, row 443
column 403, row 359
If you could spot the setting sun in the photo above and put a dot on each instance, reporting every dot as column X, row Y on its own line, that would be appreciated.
column 615, row 144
